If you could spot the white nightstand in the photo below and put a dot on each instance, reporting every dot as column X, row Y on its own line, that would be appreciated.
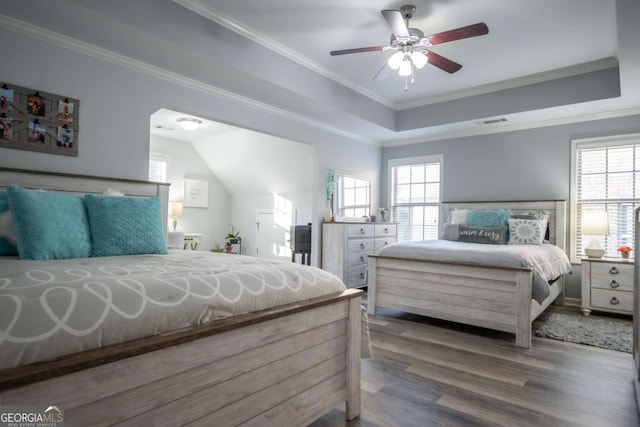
column 192, row 240
column 607, row 285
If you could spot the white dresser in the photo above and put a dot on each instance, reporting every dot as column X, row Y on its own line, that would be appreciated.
column 607, row 285
column 346, row 246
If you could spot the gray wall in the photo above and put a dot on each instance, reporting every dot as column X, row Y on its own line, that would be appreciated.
column 523, row 165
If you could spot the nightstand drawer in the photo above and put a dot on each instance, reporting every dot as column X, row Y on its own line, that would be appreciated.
column 612, row 300
column 612, row 276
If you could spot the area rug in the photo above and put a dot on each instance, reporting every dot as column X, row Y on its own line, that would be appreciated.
column 603, row 333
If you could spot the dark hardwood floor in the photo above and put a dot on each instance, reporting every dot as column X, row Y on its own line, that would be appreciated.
column 426, row 372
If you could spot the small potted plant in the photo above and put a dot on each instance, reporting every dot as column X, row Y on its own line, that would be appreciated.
column 232, row 239
column 625, row 251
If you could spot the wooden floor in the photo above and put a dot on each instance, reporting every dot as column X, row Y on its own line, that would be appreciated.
column 426, row 372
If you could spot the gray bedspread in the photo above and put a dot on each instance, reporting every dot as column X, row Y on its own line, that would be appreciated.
column 57, row 307
column 548, row 262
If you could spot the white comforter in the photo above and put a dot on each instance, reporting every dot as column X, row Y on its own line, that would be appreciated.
column 548, row 262
column 52, row 308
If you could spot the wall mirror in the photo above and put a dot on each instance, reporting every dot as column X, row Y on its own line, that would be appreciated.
column 352, row 199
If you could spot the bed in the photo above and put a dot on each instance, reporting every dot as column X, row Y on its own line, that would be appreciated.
column 491, row 296
column 251, row 358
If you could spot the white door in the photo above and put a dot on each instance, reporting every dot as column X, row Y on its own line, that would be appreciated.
column 272, row 239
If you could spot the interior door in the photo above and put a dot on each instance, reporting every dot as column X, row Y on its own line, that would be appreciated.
column 272, row 236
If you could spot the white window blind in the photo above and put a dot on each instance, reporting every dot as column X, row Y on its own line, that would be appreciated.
column 607, row 178
column 415, row 194
column 158, row 167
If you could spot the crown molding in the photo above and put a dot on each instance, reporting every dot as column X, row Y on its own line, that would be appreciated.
column 94, row 51
column 573, row 70
column 206, row 11
column 512, row 127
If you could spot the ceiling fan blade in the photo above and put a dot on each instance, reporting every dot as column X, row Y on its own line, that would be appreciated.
column 382, row 74
column 474, row 30
column 357, row 50
column 443, row 63
column 396, row 23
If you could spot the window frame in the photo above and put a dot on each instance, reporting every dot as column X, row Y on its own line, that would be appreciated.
column 416, row 160
column 159, row 157
column 336, row 195
column 586, row 143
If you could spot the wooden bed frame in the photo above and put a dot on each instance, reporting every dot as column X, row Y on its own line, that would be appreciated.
column 286, row 365
column 491, row 297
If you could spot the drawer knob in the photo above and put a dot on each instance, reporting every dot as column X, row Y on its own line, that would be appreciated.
column 614, row 270
column 362, row 231
column 362, row 275
column 614, row 284
column 386, row 243
column 386, row 230
column 361, row 259
column 362, row 246
column 614, row 301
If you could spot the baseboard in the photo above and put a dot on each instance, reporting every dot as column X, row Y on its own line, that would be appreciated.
column 572, row 301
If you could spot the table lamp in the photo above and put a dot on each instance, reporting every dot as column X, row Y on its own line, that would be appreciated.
column 595, row 224
column 175, row 210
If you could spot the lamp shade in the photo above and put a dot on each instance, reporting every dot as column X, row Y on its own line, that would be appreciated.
column 176, row 209
column 405, row 67
column 419, row 59
column 595, row 223
column 395, row 60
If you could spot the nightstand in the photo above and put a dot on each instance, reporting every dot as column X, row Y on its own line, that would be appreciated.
column 607, row 285
column 192, row 240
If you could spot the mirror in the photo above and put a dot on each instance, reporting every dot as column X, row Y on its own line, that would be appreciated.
column 352, row 199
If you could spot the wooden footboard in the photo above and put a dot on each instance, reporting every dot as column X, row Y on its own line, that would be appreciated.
column 283, row 366
column 490, row 297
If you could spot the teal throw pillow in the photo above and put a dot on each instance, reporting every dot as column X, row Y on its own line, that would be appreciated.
column 49, row 225
column 125, row 225
column 488, row 217
column 7, row 230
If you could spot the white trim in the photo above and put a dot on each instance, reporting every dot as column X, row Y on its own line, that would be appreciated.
column 206, row 11
column 60, row 40
column 604, row 141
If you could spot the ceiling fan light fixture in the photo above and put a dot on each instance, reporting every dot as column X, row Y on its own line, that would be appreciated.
column 405, row 67
column 419, row 59
column 395, row 60
column 189, row 123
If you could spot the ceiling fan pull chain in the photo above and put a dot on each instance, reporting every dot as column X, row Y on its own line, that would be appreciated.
column 406, row 83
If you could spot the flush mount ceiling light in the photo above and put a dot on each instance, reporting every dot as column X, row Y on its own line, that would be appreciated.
column 189, row 123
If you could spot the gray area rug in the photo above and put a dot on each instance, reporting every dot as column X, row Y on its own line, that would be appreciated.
column 603, row 333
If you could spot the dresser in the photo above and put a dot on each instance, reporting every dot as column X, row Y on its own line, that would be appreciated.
column 347, row 245
column 607, row 285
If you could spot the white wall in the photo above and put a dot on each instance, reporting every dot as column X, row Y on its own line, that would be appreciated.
column 185, row 163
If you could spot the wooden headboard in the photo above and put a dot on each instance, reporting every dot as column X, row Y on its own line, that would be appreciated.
column 556, row 208
column 83, row 184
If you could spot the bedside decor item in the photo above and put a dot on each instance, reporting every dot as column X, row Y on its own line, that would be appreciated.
column 330, row 188
column 38, row 121
column 196, row 193
column 625, row 251
column 383, row 212
column 594, row 223
column 175, row 210
column 234, row 242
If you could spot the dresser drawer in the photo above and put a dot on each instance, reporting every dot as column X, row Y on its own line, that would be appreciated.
column 358, row 258
column 612, row 276
column 360, row 245
column 611, row 300
column 360, row 230
column 381, row 242
column 356, row 276
column 384, row 230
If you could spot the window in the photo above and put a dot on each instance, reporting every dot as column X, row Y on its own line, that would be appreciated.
column 415, row 194
column 606, row 174
column 353, row 195
column 158, row 167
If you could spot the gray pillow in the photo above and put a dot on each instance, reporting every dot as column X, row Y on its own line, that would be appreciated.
column 487, row 235
column 451, row 232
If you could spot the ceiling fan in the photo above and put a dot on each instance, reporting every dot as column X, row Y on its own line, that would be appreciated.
column 411, row 45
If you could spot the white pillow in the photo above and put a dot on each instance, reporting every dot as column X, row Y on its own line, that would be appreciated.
column 7, row 230
column 526, row 231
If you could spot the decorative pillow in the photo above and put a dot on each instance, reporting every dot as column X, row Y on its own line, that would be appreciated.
column 487, row 235
column 451, row 232
column 49, row 225
column 125, row 225
column 488, row 217
column 459, row 216
column 535, row 214
column 526, row 231
column 7, row 230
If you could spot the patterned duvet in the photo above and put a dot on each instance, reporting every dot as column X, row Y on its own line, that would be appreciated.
column 52, row 308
